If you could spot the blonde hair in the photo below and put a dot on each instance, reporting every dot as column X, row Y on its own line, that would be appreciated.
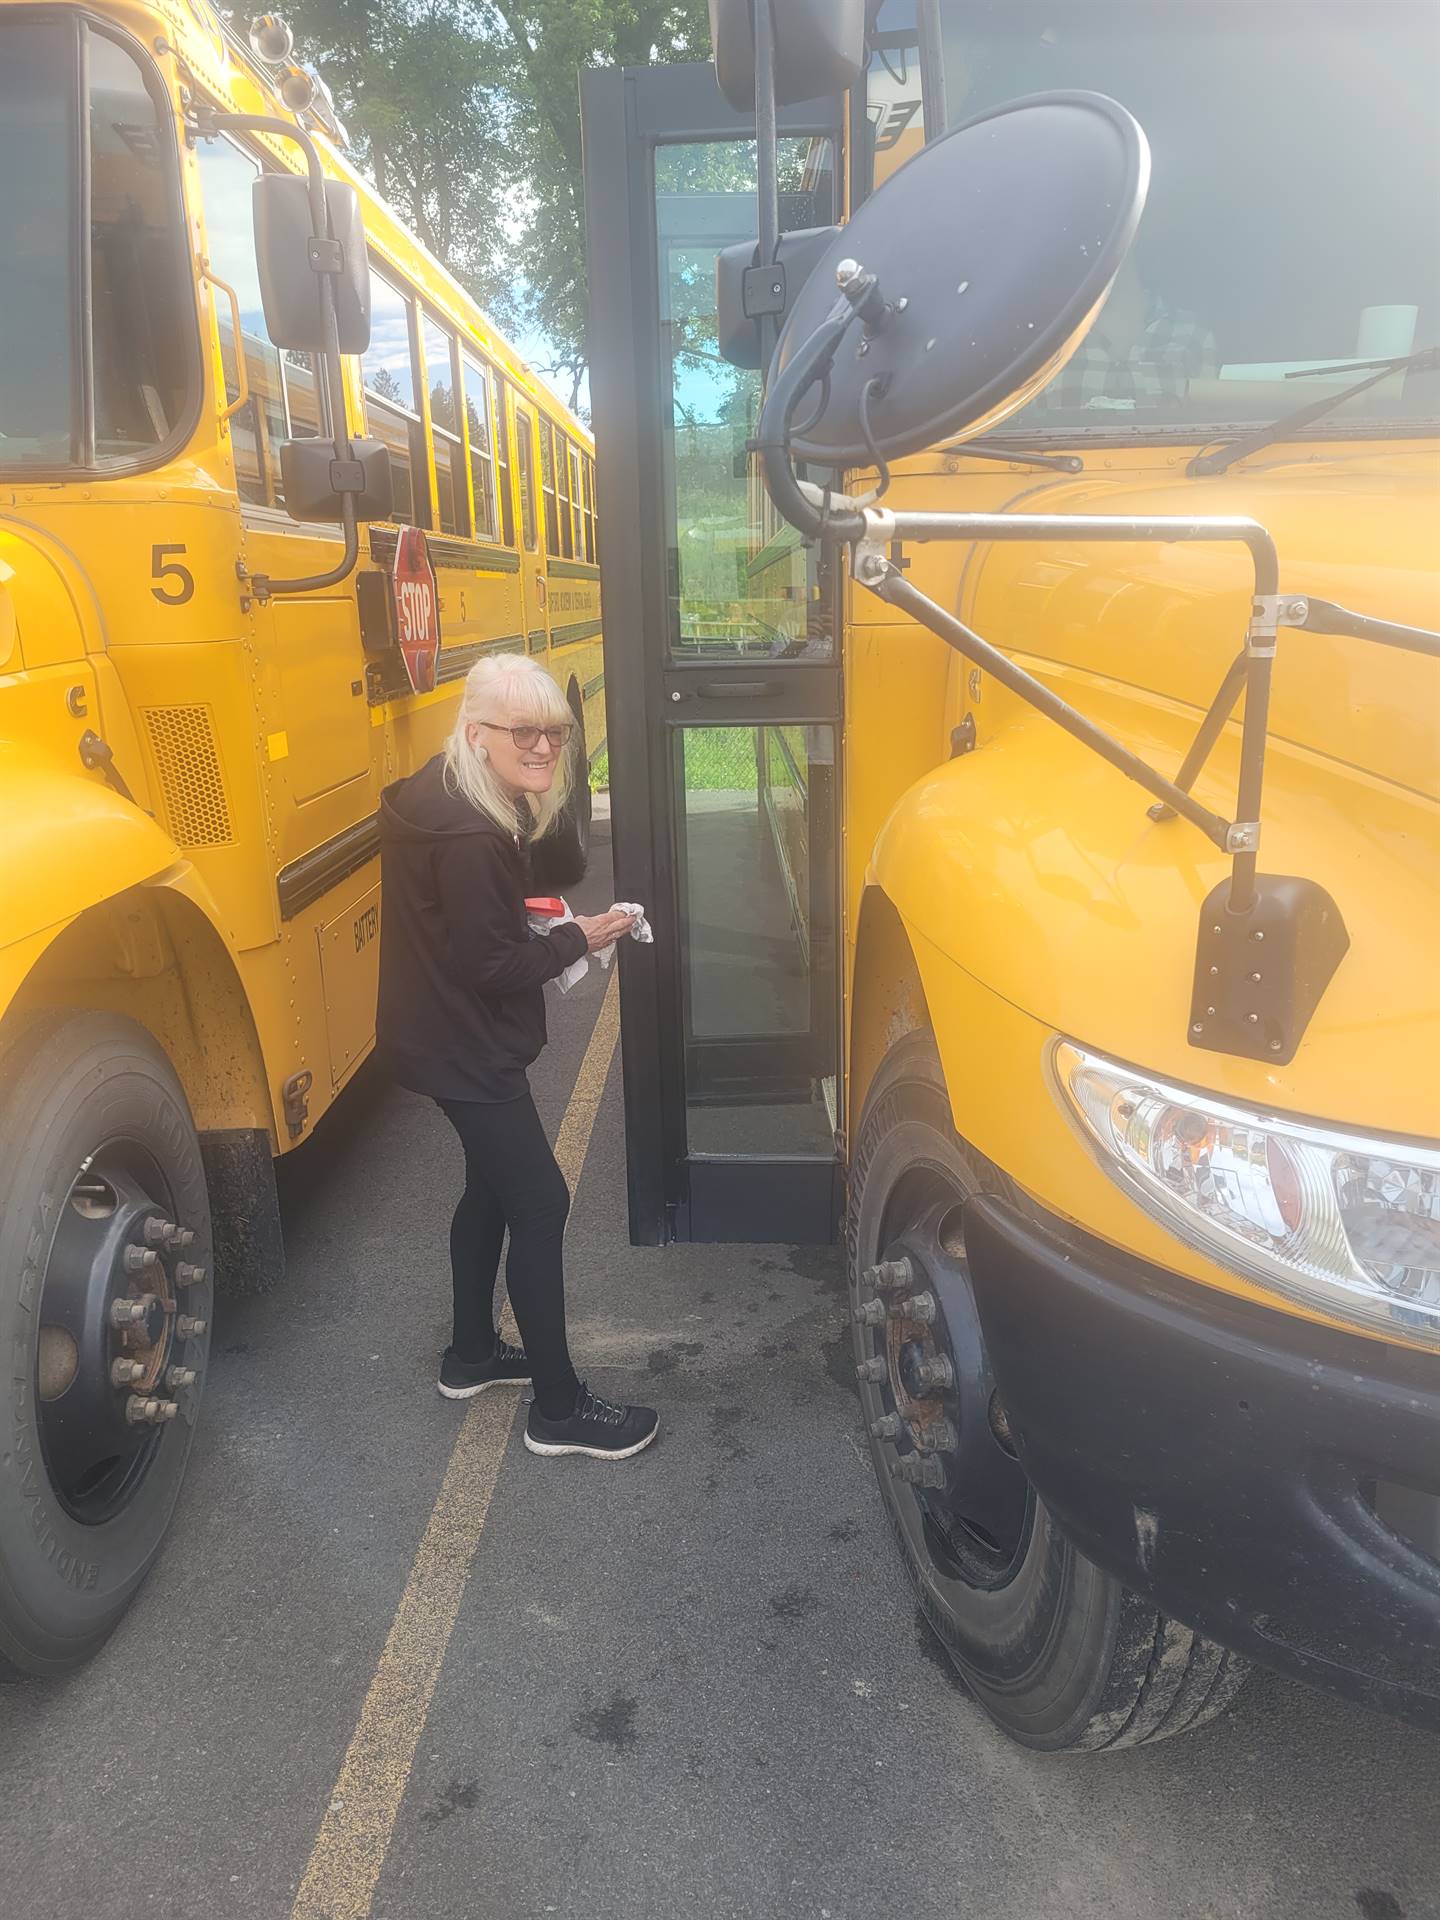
column 509, row 691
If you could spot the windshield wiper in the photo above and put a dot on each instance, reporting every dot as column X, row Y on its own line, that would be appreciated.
column 1219, row 458
column 1020, row 456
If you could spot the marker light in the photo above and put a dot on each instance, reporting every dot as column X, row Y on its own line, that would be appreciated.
column 1339, row 1221
column 271, row 39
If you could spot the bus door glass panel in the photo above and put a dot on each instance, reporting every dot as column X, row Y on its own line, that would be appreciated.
column 757, row 911
column 392, row 402
column 452, row 514
column 40, row 414
column 741, row 587
column 482, row 451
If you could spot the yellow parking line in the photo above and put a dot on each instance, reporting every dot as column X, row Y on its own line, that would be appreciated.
column 350, row 1848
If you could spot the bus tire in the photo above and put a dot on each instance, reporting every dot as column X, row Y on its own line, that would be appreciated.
column 1061, row 1655
column 98, row 1154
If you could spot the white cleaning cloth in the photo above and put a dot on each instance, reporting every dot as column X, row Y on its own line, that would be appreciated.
column 577, row 970
column 640, row 931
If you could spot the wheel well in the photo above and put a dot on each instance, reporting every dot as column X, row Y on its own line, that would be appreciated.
column 887, row 997
column 152, row 954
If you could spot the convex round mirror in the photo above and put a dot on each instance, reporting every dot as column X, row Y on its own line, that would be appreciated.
column 1001, row 239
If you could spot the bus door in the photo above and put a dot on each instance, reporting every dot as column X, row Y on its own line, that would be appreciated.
column 532, row 553
column 722, row 674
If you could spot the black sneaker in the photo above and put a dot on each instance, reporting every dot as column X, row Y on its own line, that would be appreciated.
column 463, row 1379
column 596, row 1428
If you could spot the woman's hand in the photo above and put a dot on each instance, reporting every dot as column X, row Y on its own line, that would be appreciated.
column 603, row 929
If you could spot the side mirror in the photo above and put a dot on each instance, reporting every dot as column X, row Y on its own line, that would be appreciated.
column 316, row 482
column 743, row 293
column 819, row 48
column 289, row 284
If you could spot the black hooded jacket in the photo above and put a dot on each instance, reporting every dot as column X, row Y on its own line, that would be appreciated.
column 461, row 1012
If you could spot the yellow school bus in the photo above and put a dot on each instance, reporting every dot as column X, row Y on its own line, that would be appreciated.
column 193, row 742
column 1135, row 1141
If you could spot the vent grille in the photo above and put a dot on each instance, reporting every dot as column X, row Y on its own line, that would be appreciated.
column 182, row 740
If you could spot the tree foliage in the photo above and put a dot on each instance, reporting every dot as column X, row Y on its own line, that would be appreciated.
column 467, row 115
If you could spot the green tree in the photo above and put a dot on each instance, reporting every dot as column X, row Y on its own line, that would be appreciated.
column 548, row 42
column 466, row 113
column 424, row 89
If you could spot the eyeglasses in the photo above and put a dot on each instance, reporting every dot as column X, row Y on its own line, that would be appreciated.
column 527, row 737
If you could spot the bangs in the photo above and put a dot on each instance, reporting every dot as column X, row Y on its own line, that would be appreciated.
column 518, row 693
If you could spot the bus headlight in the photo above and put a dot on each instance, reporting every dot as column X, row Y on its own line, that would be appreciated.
column 1340, row 1221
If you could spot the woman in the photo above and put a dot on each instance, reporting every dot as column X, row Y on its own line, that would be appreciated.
column 462, row 1015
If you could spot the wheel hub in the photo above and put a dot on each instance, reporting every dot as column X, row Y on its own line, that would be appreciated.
column 112, row 1331
column 940, row 1427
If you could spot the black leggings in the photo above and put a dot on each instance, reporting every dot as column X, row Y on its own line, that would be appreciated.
column 512, row 1180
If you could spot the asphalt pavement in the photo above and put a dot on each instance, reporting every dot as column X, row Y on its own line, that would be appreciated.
column 692, row 1684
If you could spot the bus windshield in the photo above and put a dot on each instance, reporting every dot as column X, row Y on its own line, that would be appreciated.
column 1290, row 221
column 112, row 394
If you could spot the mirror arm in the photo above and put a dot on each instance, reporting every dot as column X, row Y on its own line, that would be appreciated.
column 1240, row 837
column 772, row 442
column 329, row 356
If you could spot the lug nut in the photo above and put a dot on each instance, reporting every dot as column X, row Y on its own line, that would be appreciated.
column 917, row 1471
column 126, row 1313
column 935, row 1373
column 177, row 1239
column 870, row 1313
column 872, row 1370
column 890, row 1276
column 152, row 1413
column 125, row 1373
column 141, row 1259
column 916, row 1306
column 939, row 1437
column 178, row 1377
column 158, row 1231
column 188, row 1276
column 188, row 1328
column 887, row 1427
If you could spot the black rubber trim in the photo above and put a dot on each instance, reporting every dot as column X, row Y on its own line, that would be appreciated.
column 310, row 877
column 572, row 570
column 475, row 556
column 576, row 630
column 1219, row 1456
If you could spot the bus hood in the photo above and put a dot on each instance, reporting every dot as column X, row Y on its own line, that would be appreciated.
column 1169, row 618
column 1034, row 865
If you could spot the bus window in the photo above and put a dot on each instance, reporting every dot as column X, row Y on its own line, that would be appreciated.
column 562, row 493
column 451, row 493
column 589, row 509
column 482, row 455
column 139, row 297
column 283, row 400
column 392, row 400
column 502, row 461
column 525, row 450
column 547, row 473
column 577, row 508
column 141, row 334
column 39, row 420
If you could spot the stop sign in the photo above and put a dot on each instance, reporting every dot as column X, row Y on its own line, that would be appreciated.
column 417, row 607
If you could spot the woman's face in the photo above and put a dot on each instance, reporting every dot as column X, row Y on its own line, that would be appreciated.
column 521, row 769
